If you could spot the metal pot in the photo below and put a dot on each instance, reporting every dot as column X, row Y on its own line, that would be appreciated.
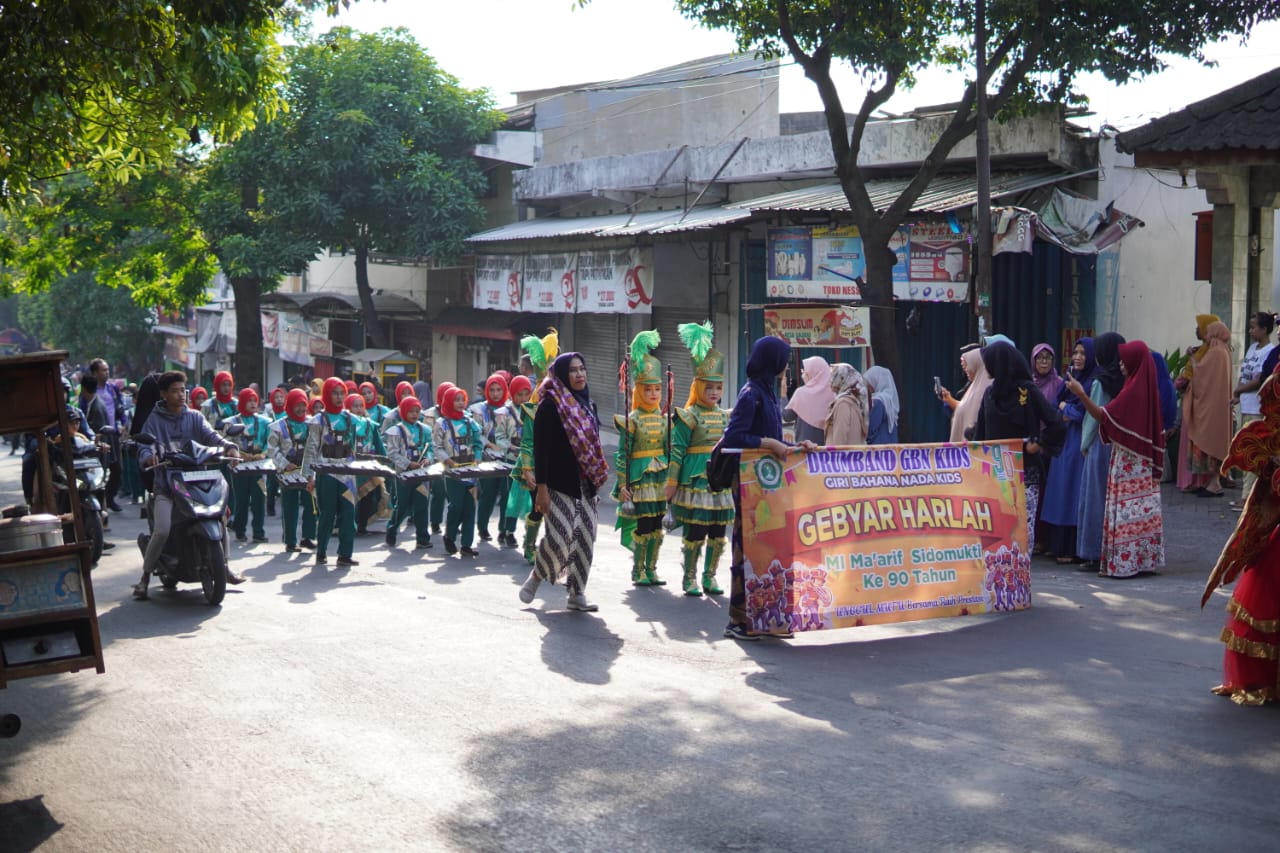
column 31, row 532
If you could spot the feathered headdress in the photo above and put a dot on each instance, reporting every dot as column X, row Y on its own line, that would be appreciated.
column 541, row 351
column 708, row 363
column 641, row 345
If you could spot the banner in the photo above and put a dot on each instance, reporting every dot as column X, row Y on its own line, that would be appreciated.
column 819, row 325
column 550, row 283
column 815, row 263
column 498, row 282
column 615, row 281
column 270, row 329
column 937, row 265
column 853, row 536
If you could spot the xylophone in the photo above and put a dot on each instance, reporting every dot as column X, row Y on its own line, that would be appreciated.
column 291, row 480
column 257, row 466
column 354, row 468
column 478, row 471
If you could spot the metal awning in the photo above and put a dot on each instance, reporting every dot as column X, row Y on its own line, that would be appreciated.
column 340, row 305
column 944, row 193
column 466, row 322
column 375, row 356
column 616, row 224
column 176, row 331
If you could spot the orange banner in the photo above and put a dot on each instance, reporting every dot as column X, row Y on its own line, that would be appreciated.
column 867, row 535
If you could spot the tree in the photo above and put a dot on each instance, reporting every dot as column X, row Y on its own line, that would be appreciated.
column 380, row 141
column 1034, row 49
column 91, row 321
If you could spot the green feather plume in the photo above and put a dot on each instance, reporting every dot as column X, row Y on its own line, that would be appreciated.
column 698, row 338
column 532, row 347
column 641, row 345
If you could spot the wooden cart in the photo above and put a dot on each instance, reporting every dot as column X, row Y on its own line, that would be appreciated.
column 48, row 618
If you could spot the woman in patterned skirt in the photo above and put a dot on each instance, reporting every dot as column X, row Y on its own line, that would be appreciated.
column 1133, row 524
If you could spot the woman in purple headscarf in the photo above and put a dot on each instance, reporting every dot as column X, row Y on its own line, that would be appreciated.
column 1061, row 499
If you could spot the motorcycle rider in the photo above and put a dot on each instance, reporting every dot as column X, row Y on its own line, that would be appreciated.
column 79, row 423
column 171, row 424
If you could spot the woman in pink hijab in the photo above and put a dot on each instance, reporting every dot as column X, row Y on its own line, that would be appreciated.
column 811, row 402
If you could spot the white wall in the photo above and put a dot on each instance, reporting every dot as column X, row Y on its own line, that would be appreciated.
column 338, row 273
column 1156, row 299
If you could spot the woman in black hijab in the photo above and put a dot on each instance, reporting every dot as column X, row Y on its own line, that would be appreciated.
column 1107, row 382
column 1013, row 407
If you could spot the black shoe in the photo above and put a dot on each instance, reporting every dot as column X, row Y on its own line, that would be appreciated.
column 107, row 546
column 362, row 531
column 321, row 559
column 484, row 536
column 449, row 546
column 347, row 561
column 142, row 513
column 423, row 545
column 469, row 552
column 233, row 578
column 271, row 510
column 435, row 530
column 240, row 537
column 291, row 549
column 307, row 543
column 390, row 539
column 261, row 539
column 114, row 507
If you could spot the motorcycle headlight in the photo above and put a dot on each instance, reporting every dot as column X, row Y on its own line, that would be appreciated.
column 93, row 478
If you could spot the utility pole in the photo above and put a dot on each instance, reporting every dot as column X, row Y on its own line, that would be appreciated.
column 982, row 280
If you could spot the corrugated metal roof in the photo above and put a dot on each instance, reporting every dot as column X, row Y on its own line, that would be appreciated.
column 615, row 225
column 944, row 193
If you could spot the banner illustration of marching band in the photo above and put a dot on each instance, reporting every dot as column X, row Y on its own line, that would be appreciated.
column 853, row 536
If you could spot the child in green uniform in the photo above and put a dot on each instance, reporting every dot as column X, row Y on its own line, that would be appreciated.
column 701, row 512
column 641, row 463
column 250, row 488
column 286, row 443
column 541, row 353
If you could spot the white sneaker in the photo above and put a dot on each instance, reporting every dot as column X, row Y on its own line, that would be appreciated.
column 579, row 601
column 530, row 587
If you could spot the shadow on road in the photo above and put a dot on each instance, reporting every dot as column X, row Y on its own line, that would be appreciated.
column 27, row 824
column 576, row 645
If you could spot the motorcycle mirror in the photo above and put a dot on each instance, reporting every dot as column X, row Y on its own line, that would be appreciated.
column 234, row 430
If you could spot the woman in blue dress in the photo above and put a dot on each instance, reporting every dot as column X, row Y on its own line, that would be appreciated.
column 1062, row 486
column 882, row 426
column 1107, row 382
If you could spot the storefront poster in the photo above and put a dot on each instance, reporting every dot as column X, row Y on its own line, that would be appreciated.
column 498, row 281
column 550, row 283
column 815, row 263
column 270, row 329
column 615, row 281
column 832, row 326
column 844, row 537
column 938, row 265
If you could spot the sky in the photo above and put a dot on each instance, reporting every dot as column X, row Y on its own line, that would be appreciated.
column 511, row 45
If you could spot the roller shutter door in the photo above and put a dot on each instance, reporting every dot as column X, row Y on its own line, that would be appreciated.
column 672, row 352
column 600, row 339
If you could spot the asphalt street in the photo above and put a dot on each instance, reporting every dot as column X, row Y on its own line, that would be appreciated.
column 413, row 703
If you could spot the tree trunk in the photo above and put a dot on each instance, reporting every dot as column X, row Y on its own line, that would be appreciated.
column 878, row 294
column 372, row 327
column 248, row 356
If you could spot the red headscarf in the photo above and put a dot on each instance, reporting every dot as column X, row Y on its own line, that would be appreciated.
column 506, row 376
column 293, row 398
column 1133, row 417
column 352, row 399
column 496, row 379
column 406, row 404
column 279, row 399
column 352, row 388
column 403, row 390
column 370, row 398
column 315, row 405
column 440, row 389
column 326, row 394
column 518, row 384
column 218, row 379
column 198, row 394
column 245, row 396
column 454, row 404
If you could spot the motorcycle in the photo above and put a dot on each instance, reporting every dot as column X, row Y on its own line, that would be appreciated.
column 91, row 484
column 195, row 550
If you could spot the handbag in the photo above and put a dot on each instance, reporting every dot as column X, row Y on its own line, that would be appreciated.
column 722, row 467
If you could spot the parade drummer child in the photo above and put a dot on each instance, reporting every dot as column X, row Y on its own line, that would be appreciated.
column 223, row 405
column 368, row 443
column 439, row 495
column 285, row 445
column 277, row 405
column 519, row 498
column 499, row 427
column 540, row 352
column 409, row 446
column 374, row 410
column 331, row 437
column 702, row 513
column 458, row 440
column 249, row 487
column 641, row 463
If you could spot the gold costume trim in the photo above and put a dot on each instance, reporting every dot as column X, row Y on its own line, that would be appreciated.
column 1249, row 648
column 1267, row 626
column 1261, row 696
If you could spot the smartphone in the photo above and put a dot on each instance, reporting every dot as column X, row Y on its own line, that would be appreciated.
column 937, row 387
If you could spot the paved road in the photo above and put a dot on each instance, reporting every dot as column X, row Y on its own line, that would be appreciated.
column 413, row 704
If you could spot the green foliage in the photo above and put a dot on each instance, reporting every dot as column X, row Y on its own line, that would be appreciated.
column 89, row 321
column 1176, row 359
column 379, row 143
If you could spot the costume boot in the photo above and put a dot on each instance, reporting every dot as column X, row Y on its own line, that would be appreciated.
column 651, row 558
column 689, row 558
column 530, row 538
column 715, row 547
column 639, row 548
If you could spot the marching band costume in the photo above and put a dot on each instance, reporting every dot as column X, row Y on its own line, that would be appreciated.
column 331, row 437
column 541, row 352
column 409, row 447
column 368, row 443
column 285, row 445
column 458, row 440
column 250, row 489
column 498, row 427
column 699, row 425
column 222, row 405
column 439, row 494
column 640, row 463
column 277, row 404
